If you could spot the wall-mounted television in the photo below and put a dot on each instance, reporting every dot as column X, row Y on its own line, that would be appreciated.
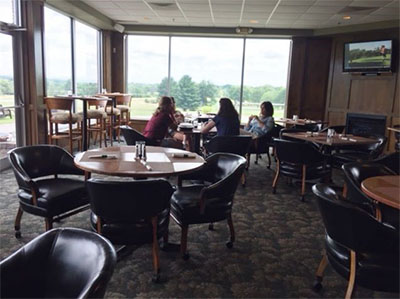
column 368, row 56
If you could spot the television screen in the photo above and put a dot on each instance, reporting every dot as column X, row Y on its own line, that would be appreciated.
column 371, row 56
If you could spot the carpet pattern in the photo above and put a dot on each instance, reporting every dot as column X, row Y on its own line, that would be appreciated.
column 279, row 241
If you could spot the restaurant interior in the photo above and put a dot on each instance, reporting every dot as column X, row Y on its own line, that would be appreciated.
column 93, row 207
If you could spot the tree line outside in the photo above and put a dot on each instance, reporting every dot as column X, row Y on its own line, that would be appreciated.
column 192, row 96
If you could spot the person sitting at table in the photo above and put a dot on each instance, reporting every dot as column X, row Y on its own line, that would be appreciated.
column 259, row 125
column 175, row 139
column 227, row 120
column 157, row 127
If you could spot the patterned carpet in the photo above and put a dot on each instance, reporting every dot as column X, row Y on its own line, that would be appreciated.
column 279, row 241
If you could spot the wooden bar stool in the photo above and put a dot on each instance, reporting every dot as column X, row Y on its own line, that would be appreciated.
column 124, row 105
column 100, row 126
column 113, row 120
column 59, row 112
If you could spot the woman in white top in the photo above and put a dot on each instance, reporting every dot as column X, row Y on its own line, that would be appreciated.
column 259, row 125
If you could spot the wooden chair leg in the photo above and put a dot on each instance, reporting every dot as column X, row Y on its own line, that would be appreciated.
column 352, row 278
column 229, row 244
column 269, row 159
column 98, row 225
column 275, row 181
column 48, row 223
column 247, row 161
column 243, row 179
column 303, row 182
column 184, row 234
column 320, row 272
column 155, row 251
column 17, row 223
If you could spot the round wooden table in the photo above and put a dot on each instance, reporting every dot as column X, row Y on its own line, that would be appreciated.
column 383, row 189
column 120, row 161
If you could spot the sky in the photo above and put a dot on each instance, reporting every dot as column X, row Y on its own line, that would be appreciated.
column 218, row 60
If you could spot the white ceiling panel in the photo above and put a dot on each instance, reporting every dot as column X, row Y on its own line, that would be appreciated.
column 231, row 13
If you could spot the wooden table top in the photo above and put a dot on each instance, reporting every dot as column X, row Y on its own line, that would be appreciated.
column 111, row 94
column 299, row 122
column 394, row 129
column 384, row 189
column 76, row 97
column 160, row 159
column 337, row 140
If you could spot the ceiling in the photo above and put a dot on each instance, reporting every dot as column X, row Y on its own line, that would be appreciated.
column 287, row 14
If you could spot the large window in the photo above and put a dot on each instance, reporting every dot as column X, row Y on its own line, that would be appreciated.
column 58, row 55
column 203, row 69
column 86, row 53
column 9, row 11
column 63, row 74
column 265, row 75
column 147, row 72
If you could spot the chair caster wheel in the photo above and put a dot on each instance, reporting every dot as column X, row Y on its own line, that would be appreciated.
column 156, row 278
column 185, row 256
column 317, row 286
column 18, row 234
column 229, row 244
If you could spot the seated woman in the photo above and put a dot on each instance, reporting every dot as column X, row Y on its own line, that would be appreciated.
column 175, row 139
column 260, row 125
column 226, row 120
column 157, row 127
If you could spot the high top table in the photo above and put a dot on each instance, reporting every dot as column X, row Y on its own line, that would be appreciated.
column 84, row 114
column 160, row 160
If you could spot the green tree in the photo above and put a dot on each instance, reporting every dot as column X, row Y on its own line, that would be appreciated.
column 163, row 87
column 207, row 92
column 6, row 86
column 233, row 93
column 187, row 97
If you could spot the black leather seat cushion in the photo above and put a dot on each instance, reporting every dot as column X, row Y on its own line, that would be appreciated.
column 132, row 233
column 57, row 196
column 185, row 206
column 313, row 171
column 375, row 271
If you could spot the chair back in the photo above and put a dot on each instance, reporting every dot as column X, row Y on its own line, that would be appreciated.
column 55, row 104
column 352, row 227
column 227, row 170
column 374, row 150
column 237, row 144
column 124, row 100
column 100, row 103
column 297, row 152
column 131, row 136
column 391, row 161
column 128, row 201
column 35, row 161
column 355, row 173
column 61, row 263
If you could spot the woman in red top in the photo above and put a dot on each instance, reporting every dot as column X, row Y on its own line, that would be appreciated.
column 163, row 117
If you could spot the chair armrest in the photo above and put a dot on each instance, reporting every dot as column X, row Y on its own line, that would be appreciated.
column 67, row 166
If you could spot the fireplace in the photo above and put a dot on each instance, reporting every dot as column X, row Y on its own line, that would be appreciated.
column 365, row 124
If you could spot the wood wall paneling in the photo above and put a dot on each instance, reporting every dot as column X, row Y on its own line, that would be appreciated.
column 118, row 62
column 107, row 84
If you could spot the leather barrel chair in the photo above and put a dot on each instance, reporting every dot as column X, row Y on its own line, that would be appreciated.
column 354, row 174
column 300, row 160
column 238, row 145
column 353, row 153
column 196, row 204
column 53, row 198
column 131, row 136
column 61, row 263
column 358, row 246
column 132, row 213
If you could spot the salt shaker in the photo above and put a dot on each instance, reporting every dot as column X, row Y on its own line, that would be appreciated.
column 144, row 156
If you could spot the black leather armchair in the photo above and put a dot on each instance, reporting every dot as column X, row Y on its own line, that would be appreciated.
column 197, row 204
column 132, row 213
column 238, row 145
column 300, row 160
column 131, row 136
column 262, row 144
column 53, row 198
column 353, row 153
column 391, row 161
column 354, row 174
column 61, row 263
column 359, row 247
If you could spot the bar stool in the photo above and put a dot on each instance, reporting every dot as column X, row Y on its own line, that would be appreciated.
column 113, row 120
column 59, row 112
column 98, row 114
column 124, row 105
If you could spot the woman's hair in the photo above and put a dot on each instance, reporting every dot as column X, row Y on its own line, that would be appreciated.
column 269, row 109
column 226, row 108
column 165, row 105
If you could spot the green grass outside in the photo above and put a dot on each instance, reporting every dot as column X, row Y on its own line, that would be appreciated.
column 373, row 59
column 6, row 101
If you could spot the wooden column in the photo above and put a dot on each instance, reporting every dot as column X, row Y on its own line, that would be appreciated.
column 118, row 62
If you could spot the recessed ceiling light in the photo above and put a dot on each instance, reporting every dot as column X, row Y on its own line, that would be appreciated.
column 346, row 17
column 146, row 18
column 253, row 21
